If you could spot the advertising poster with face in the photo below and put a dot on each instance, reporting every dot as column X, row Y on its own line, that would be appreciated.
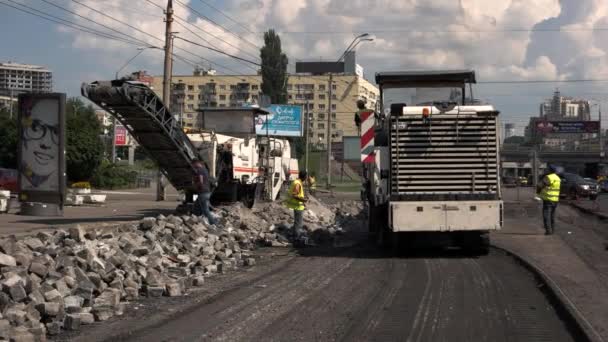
column 41, row 144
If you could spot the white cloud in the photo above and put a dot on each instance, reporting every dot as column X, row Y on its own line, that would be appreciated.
column 410, row 34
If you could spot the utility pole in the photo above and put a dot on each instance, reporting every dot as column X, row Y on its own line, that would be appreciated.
column 601, row 135
column 168, row 70
column 330, row 84
column 10, row 104
column 307, row 132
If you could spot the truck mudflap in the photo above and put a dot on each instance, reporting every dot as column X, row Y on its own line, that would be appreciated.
column 445, row 216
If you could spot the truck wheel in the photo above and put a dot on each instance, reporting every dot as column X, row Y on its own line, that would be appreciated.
column 372, row 227
column 475, row 243
column 593, row 197
column 484, row 244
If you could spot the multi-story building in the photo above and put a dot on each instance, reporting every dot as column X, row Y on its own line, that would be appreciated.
column 559, row 108
column 565, row 108
column 191, row 92
column 22, row 78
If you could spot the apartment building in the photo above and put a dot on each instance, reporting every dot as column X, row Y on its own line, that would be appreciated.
column 22, row 78
column 199, row 90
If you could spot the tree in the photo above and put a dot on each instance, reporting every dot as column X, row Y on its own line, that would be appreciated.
column 274, row 68
column 8, row 139
column 84, row 148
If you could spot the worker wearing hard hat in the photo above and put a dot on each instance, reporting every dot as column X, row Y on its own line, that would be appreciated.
column 296, row 200
column 549, row 193
column 360, row 108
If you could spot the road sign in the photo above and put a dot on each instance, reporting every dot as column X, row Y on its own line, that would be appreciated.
column 283, row 120
column 120, row 136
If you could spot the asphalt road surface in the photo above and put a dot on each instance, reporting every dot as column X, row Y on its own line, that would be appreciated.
column 356, row 294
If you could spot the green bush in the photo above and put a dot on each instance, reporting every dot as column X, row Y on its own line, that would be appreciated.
column 111, row 176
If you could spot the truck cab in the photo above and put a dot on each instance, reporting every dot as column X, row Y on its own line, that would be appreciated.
column 435, row 163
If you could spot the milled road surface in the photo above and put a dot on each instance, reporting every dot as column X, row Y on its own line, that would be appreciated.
column 359, row 294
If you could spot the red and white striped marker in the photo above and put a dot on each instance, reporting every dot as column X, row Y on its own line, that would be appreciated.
column 367, row 137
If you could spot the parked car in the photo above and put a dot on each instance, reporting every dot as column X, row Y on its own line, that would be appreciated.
column 604, row 185
column 8, row 179
column 575, row 186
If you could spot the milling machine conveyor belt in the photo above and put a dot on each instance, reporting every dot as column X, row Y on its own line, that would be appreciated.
column 147, row 119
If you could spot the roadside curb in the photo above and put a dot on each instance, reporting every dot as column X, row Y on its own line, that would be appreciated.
column 589, row 211
column 585, row 329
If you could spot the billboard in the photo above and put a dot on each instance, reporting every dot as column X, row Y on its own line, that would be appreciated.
column 228, row 121
column 319, row 68
column 120, row 135
column 568, row 126
column 42, row 148
column 283, row 120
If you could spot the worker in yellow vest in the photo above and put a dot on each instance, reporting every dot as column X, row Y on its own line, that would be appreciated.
column 549, row 193
column 296, row 200
column 360, row 108
column 312, row 183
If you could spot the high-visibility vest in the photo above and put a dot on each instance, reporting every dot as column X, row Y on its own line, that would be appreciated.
column 313, row 183
column 551, row 192
column 292, row 202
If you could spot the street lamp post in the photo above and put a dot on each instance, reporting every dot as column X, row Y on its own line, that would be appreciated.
column 358, row 39
column 140, row 50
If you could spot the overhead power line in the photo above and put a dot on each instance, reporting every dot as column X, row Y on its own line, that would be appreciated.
column 542, row 81
column 88, row 19
column 109, row 17
column 226, row 30
column 219, row 51
column 405, row 30
column 146, row 33
column 81, row 28
column 227, row 16
column 68, row 23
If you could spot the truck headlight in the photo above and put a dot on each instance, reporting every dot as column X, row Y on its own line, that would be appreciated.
column 585, row 187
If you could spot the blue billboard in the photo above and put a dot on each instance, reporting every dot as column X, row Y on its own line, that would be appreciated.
column 283, row 120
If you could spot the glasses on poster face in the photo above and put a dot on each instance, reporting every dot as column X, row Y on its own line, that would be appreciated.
column 39, row 130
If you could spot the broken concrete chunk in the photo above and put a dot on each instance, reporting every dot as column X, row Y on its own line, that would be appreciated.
column 198, row 281
column 77, row 233
column 50, row 309
column 34, row 244
column 21, row 334
column 7, row 260
column 147, row 223
column 5, row 329
column 72, row 322
column 86, row 318
column 39, row 269
column 155, row 291
column 174, row 289
column 17, row 293
column 53, row 328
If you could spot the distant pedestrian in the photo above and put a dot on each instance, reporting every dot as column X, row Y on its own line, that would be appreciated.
column 296, row 200
column 202, row 186
column 548, row 191
column 312, row 183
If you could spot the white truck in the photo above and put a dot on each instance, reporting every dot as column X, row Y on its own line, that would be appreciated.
column 436, row 162
column 239, row 165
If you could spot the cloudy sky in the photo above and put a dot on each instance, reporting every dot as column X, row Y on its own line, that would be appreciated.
column 503, row 40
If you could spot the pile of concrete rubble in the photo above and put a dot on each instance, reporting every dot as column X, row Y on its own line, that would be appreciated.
column 67, row 278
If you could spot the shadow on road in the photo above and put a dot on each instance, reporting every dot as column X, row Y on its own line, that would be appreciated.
column 76, row 220
column 367, row 250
